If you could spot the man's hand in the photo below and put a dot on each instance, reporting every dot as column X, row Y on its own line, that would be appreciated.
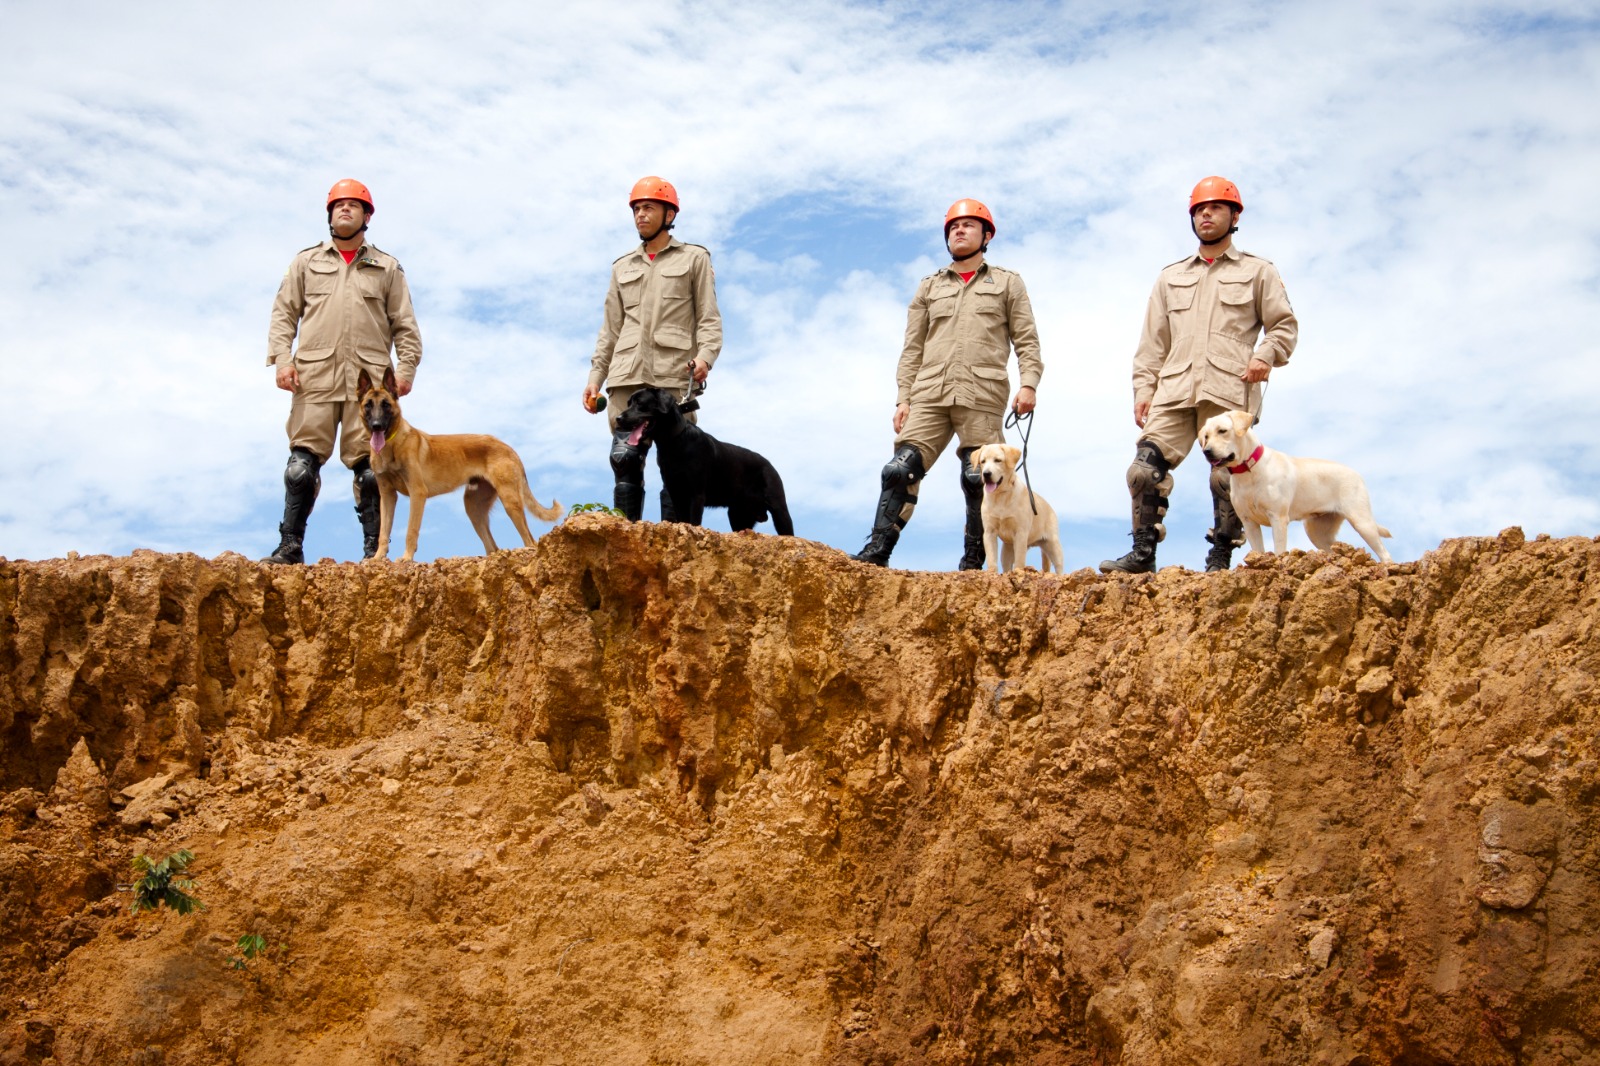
column 288, row 377
column 402, row 387
column 1256, row 371
column 1141, row 412
column 1025, row 400
column 590, row 394
column 701, row 369
column 901, row 413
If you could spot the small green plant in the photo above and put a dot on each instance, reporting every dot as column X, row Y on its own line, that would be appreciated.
column 162, row 883
column 250, row 945
column 596, row 508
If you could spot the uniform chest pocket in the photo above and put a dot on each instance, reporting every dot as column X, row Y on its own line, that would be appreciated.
column 1235, row 292
column 371, row 283
column 941, row 306
column 988, row 303
column 1180, row 292
column 321, row 280
column 675, row 280
column 630, row 283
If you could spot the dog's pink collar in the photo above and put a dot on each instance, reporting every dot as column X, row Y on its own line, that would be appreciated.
column 1249, row 464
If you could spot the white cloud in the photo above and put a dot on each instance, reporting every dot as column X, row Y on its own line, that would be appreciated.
column 1425, row 192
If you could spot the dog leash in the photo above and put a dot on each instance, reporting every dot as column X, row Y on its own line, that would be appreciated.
column 1024, row 424
column 691, row 395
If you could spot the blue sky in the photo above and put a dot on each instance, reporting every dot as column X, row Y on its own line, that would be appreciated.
column 1423, row 175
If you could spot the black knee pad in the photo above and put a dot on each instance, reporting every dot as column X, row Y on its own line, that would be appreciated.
column 303, row 472
column 1221, row 484
column 1227, row 528
column 366, row 480
column 971, row 476
column 1148, row 470
column 627, row 461
column 904, row 470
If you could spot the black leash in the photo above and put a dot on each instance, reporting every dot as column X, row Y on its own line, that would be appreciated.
column 1024, row 424
column 691, row 395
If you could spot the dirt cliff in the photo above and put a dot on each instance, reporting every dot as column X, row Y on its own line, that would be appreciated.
column 657, row 795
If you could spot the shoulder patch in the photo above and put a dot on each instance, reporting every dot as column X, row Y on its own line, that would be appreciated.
column 377, row 257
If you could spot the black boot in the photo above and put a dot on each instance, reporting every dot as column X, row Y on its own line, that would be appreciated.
column 368, row 508
column 1227, row 532
column 1220, row 557
column 895, row 502
column 972, row 554
column 628, row 498
column 1149, row 485
column 301, row 480
column 1142, row 560
column 627, row 466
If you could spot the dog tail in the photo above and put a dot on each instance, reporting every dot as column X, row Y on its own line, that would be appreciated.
column 778, row 504
column 552, row 513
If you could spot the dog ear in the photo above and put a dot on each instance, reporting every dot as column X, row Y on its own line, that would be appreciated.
column 1242, row 421
column 389, row 382
column 363, row 384
column 1013, row 455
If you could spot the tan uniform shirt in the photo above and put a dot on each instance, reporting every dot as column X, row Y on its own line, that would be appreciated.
column 348, row 316
column 1200, row 331
column 959, row 337
column 660, row 314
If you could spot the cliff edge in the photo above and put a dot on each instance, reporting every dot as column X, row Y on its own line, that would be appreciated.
column 658, row 795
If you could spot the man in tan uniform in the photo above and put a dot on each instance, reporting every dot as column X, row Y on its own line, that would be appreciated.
column 952, row 380
column 1197, row 358
column 661, row 324
column 349, row 303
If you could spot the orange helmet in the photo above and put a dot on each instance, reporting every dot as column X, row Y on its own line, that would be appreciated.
column 969, row 209
column 654, row 188
column 350, row 189
column 1215, row 188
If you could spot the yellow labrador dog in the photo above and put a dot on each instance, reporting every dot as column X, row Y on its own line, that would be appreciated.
column 1007, row 515
column 1273, row 489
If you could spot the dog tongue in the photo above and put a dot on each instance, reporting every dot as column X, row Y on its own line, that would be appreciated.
column 990, row 486
column 638, row 432
column 377, row 440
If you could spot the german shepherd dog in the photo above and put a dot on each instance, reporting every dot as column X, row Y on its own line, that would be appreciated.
column 417, row 464
column 700, row 471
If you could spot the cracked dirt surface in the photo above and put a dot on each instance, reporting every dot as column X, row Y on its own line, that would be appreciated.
column 649, row 794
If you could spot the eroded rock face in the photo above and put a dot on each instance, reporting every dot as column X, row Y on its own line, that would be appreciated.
column 649, row 794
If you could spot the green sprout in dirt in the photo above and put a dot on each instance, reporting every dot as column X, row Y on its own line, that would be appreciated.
column 162, row 883
column 596, row 508
column 250, row 945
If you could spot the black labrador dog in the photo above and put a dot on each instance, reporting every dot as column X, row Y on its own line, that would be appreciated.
column 700, row 471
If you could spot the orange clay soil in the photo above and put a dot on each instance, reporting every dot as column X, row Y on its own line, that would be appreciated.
column 649, row 794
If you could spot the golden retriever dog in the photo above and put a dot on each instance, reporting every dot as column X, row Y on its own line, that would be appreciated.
column 1008, row 517
column 1273, row 489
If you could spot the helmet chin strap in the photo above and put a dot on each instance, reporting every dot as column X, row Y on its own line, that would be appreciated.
column 335, row 233
column 1232, row 229
column 666, row 224
column 984, row 247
